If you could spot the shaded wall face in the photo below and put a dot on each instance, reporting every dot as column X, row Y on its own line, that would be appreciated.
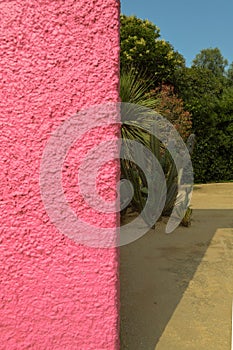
column 57, row 57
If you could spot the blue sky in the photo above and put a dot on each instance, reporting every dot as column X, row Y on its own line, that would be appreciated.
column 189, row 26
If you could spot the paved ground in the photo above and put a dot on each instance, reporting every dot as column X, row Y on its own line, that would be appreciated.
column 177, row 289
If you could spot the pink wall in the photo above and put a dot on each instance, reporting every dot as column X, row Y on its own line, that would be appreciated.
column 56, row 57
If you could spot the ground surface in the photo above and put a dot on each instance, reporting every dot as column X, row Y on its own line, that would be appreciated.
column 177, row 289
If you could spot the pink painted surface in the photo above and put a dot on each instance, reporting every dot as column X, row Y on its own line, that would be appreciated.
column 56, row 57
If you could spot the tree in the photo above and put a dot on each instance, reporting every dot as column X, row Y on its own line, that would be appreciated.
column 210, row 101
column 211, row 59
column 142, row 49
column 230, row 74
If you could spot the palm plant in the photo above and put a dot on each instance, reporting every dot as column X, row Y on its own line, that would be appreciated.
column 134, row 89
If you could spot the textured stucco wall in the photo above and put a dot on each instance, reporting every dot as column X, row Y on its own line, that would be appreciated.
column 56, row 57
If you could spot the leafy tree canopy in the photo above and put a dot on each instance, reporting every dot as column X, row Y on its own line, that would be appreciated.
column 211, row 59
column 210, row 101
column 142, row 49
column 230, row 74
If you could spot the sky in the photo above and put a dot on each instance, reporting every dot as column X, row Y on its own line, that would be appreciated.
column 189, row 26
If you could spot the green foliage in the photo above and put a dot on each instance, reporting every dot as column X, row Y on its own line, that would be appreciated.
column 205, row 90
column 230, row 74
column 209, row 100
column 133, row 89
column 195, row 82
column 212, row 60
column 142, row 48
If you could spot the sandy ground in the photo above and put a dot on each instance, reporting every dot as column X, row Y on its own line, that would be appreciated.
column 177, row 289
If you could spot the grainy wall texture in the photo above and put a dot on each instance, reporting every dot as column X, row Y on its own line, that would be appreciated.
column 56, row 57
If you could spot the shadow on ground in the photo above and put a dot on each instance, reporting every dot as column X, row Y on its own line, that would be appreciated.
column 155, row 272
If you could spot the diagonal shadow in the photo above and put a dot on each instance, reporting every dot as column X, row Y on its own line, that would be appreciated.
column 155, row 272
